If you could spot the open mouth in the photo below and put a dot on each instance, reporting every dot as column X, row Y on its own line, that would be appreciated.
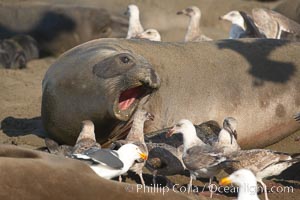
column 129, row 99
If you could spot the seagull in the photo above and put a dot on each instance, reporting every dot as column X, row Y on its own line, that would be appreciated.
column 275, row 25
column 246, row 181
column 86, row 138
column 149, row 34
column 108, row 163
column 193, row 32
column 242, row 25
column 227, row 137
column 199, row 158
column 136, row 136
column 135, row 26
column 262, row 162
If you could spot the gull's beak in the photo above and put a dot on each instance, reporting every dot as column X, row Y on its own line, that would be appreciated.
column 221, row 17
column 138, row 36
column 225, row 181
column 232, row 134
column 143, row 156
column 181, row 12
column 170, row 132
column 235, row 134
column 126, row 12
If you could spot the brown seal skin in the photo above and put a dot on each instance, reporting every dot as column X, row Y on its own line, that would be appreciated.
column 62, row 178
column 56, row 28
column 255, row 81
column 94, row 83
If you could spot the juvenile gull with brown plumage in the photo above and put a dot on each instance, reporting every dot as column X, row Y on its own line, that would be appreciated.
column 135, row 27
column 242, row 25
column 136, row 136
column 193, row 33
column 86, row 138
column 275, row 25
column 200, row 159
column 262, row 162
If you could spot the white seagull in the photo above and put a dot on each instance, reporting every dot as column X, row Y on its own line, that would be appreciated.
column 193, row 32
column 199, row 158
column 227, row 137
column 150, row 34
column 246, row 181
column 242, row 25
column 135, row 26
column 108, row 163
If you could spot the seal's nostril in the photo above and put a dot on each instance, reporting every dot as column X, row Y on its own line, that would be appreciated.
column 153, row 76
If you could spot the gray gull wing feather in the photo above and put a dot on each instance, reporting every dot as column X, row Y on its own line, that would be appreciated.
column 104, row 156
column 199, row 157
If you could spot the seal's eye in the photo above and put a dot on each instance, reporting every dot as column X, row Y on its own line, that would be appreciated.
column 124, row 59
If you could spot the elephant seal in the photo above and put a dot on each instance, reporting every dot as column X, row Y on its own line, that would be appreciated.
column 70, row 179
column 15, row 52
column 255, row 81
column 55, row 27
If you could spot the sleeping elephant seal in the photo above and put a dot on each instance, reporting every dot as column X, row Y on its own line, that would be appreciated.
column 55, row 27
column 255, row 81
column 25, row 175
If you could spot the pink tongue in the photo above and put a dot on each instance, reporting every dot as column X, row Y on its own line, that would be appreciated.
column 128, row 97
column 125, row 104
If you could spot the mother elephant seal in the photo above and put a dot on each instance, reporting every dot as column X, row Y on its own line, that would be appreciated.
column 255, row 81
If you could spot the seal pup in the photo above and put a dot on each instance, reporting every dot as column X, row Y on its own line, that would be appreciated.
column 135, row 27
column 246, row 181
column 227, row 137
column 109, row 163
column 242, row 25
column 200, row 159
column 149, row 34
column 136, row 136
column 193, row 33
column 86, row 138
column 275, row 25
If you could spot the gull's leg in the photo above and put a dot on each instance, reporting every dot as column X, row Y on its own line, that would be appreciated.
column 265, row 189
column 120, row 178
column 142, row 179
column 154, row 173
column 190, row 183
column 210, row 181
